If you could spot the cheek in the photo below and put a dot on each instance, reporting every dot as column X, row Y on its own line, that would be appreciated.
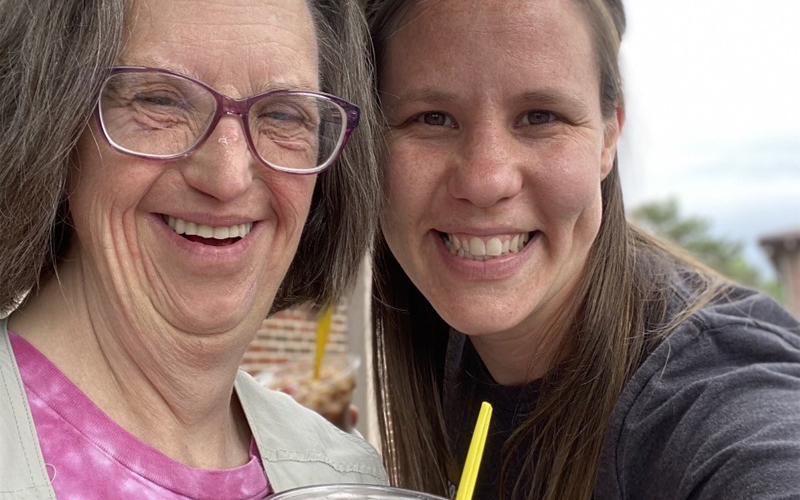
column 412, row 178
column 405, row 181
column 291, row 195
column 102, row 184
column 397, row 208
column 84, row 182
column 399, row 176
column 570, row 185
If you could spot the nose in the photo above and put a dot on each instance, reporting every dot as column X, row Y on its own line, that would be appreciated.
column 222, row 167
column 487, row 167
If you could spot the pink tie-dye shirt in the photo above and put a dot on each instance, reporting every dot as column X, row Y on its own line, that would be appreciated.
column 89, row 457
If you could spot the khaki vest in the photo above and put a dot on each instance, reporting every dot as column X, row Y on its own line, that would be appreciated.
column 297, row 446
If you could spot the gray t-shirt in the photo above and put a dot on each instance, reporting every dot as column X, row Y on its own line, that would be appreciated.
column 712, row 413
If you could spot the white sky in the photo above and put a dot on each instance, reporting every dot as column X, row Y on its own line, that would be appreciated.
column 713, row 112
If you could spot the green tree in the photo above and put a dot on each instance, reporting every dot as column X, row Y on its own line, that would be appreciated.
column 664, row 219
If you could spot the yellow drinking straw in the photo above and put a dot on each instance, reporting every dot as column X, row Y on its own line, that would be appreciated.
column 470, row 473
column 323, row 327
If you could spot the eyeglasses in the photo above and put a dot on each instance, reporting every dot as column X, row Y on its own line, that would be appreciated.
column 161, row 115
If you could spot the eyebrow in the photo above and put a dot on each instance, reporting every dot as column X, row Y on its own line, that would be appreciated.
column 544, row 97
column 149, row 62
column 270, row 86
column 424, row 94
column 554, row 97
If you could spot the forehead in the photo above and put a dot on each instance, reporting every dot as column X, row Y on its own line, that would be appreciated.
column 237, row 46
column 513, row 42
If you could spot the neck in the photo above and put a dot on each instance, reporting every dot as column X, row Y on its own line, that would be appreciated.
column 515, row 358
column 171, row 389
column 533, row 348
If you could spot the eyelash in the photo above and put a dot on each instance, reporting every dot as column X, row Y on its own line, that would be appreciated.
column 420, row 118
column 551, row 117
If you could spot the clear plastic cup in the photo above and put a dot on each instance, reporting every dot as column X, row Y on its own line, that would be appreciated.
column 351, row 492
column 331, row 395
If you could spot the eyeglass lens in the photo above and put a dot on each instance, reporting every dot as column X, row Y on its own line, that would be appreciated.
column 160, row 115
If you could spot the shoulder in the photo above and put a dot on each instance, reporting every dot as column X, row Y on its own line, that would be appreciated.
column 22, row 469
column 737, row 332
column 714, row 411
column 287, row 433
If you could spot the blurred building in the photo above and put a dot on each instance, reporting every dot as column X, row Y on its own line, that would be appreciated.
column 290, row 335
column 784, row 251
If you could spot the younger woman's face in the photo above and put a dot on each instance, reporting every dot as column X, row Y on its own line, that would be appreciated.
column 497, row 151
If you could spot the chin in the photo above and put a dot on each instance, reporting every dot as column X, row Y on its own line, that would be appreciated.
column 480, row 328
column 474, row 321
column 212, row 315
column 210, row 324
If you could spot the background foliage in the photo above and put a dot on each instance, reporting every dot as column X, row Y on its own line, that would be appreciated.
column 664, row 219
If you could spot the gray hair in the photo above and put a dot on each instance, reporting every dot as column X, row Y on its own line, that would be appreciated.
column 54, row 57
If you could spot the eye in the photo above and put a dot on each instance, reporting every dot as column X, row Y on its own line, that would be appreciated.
column 287, row 112
column 535, row 117
column 436, row 119
column 281, row 116
column 152, row 99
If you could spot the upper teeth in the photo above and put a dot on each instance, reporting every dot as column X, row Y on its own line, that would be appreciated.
column 217, row 232
column 474, row 248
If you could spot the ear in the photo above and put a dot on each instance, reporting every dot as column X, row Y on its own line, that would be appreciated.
column 612, row 131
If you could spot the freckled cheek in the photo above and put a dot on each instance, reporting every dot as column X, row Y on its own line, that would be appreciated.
column 569, row 186
column 412, row 176
column 408, row 193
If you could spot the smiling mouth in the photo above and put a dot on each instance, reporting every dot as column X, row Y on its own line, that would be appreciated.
column 218, row 236
column 485, row 248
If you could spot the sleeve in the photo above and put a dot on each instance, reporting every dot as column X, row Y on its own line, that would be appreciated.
column 718, row 417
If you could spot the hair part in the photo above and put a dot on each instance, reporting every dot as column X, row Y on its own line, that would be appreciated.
column 55, row 56
column 609, row 334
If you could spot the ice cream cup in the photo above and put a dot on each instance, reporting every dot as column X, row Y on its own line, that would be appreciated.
column 330, row 395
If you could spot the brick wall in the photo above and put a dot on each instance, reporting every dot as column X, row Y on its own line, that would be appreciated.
column 290, row 335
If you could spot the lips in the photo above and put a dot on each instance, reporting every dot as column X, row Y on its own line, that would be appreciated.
column 207, row 234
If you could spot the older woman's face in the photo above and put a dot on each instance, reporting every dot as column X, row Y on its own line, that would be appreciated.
column 498, row 148
column 120, row 204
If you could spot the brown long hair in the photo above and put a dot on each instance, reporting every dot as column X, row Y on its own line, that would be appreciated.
column 54, row 57
column 609, row 332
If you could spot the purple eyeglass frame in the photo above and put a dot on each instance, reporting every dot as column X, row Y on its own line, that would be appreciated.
column 240, row 107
